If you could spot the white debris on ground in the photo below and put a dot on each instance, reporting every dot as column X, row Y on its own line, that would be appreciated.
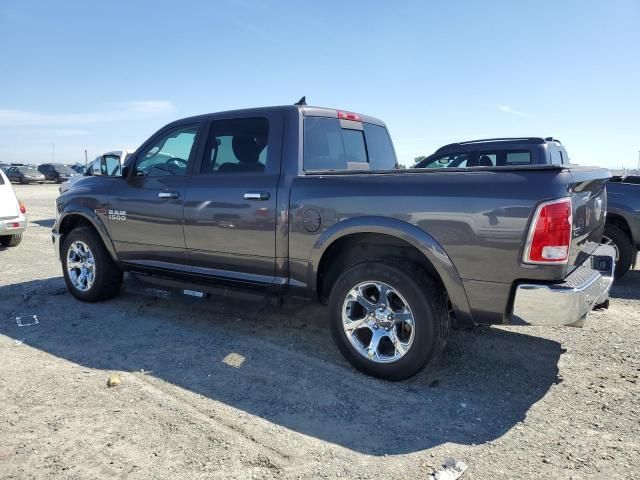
column 451, row 470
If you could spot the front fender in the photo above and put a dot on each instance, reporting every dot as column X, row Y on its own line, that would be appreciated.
column 66, row 216
column 411, row 234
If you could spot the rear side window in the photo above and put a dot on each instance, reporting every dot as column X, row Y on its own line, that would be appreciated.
column 485, row 160
column 237, row 146
column 451, row 160
column 556, row 157
column 328, row 146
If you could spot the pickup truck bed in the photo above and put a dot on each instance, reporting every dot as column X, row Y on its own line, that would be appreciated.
column 308, row 201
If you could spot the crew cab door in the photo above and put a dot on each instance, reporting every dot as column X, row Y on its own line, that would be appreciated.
column 230, row 207
column 145, row 211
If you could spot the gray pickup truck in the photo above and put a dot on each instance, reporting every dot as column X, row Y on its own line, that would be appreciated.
column 622, row 230
column 310, row 202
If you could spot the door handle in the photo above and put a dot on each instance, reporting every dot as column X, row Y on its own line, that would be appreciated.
column 168, row 195
column 257, row 196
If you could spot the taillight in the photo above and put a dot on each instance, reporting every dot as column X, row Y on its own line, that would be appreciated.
column 23, row 209
column 348, row 116
column 549, row 238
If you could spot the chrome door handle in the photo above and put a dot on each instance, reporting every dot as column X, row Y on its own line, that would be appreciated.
column 168, row 195
column 257, row 196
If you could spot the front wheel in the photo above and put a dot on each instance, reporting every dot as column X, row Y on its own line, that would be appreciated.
column 389, row 319
column 622, row 244
column 89, row 272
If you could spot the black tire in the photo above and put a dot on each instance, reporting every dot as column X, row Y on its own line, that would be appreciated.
column 624, row 247
column 108, row 276
column 11, row 240
column 426, row 300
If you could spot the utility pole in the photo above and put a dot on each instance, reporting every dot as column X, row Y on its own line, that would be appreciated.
column 638, row 171
column 85, row 157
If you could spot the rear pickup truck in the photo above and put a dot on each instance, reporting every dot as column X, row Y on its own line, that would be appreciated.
column 310, row 201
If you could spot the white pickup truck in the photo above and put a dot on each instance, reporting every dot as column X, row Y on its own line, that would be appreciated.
column 13, row 214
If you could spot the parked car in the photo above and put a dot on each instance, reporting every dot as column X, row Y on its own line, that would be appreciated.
column 24, row 174
column 13, row 214
column 622, row 229
column 108, row 164
column 57, row 172
column 309, row 201
column 79, row 168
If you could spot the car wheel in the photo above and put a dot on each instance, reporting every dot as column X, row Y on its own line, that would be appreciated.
column 624, row 249
column 11, row 240
column 89, row 271
column 388, row 319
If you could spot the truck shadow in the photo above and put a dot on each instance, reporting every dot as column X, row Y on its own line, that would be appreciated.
column 47, row 223
column 627, row 287
column 281, row 365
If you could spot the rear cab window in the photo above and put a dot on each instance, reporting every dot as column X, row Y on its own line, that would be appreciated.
column 334, row 144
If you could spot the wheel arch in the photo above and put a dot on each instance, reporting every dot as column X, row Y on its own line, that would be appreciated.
column 620, row 222
column 80, row 216
column 364, row 237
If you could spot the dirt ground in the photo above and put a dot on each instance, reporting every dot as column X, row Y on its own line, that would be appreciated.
column 220, row 388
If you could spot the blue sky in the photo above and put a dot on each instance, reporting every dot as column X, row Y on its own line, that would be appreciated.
column 101, row 76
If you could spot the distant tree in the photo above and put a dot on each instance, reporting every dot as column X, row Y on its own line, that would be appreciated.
column 419, row 159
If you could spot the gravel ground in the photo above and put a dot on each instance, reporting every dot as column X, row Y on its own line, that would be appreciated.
column 220, row 388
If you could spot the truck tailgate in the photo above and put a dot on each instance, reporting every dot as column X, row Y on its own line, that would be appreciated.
column 589, row 201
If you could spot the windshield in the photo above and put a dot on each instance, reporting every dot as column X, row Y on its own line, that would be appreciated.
column 28, row 169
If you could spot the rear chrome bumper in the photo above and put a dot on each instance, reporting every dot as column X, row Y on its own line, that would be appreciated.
column 13, row 226
column 569, row 302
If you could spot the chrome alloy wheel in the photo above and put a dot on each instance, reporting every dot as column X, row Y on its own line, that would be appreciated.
column 81, row 266
column 378, row 322
column 607, row 241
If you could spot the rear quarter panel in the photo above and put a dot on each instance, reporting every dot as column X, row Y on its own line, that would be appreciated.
column 479, row 218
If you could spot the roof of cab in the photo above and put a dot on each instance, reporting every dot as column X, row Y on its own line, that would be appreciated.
column 509, row 141
column 307, row 111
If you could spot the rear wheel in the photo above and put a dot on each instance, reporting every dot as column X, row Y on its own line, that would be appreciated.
column 11, row 240
column 388, row 319
column 89, row 272
column 622, row 244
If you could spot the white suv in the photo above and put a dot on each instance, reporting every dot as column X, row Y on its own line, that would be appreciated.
column 13, row 215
